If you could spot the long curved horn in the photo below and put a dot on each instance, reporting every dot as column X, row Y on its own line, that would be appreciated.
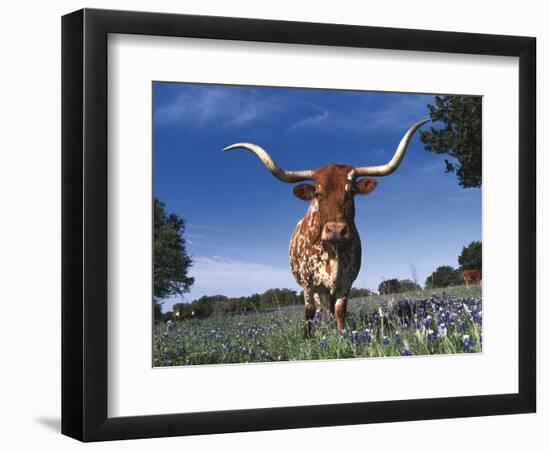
column 283, row 175
column 386, row 169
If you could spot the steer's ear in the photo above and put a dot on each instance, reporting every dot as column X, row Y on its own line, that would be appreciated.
column 365, row 185
column 304, row 191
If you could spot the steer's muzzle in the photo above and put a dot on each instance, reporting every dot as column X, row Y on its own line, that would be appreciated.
column 335, row 232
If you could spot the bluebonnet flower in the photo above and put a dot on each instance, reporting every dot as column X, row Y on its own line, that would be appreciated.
column 420, row 310
column 170, row 325
column 433, row 335
column 323, row 343
column 353, row 337
column 428, row 321
column 452, row 318
column 397, row 337
column 468, row 343
column 164, row 356
column 386, row 340
column 478, row 316
column 367, row 335
column 406, row 351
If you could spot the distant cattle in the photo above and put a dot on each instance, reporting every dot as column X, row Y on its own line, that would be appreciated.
column 472, row 275
column 325, row 249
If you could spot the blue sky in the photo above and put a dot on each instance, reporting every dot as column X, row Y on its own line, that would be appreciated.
column 240, row 218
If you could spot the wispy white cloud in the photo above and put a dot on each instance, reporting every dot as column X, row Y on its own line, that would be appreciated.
column 222, row 107
column 399, row 112
column 207, row 228
column 212, row 239
column 232, row 277
column 402, row 109
column 314, row 120
column 200, row 106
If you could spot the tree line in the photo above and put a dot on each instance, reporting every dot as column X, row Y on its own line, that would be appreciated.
column 212, row 305
column 219, row 305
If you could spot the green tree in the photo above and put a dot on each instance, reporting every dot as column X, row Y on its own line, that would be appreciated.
column 204, row 306
column 444, row 276
column 182, row 311
column 408, row 286
column 460, row 137
column 359, row 292
column 171, row 261
column 166, row 316
column 390, row 286
column 254, row 300
column 157, row 311
column 470, row 258
column 272, row 298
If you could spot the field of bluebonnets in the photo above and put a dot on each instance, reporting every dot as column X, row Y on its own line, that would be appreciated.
column 438, row 321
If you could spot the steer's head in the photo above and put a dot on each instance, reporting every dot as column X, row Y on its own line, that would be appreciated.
column 332, row 195
column 334, row 186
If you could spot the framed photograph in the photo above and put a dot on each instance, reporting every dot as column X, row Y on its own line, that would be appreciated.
column 273, row 224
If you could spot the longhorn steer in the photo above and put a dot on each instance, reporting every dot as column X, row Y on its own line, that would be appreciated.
column 325, row 249
column 472, row 275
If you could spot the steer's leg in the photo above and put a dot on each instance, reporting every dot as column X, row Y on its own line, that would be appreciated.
column 340, row 310
column 326, row 312
column 317, row 303
column 310, row 312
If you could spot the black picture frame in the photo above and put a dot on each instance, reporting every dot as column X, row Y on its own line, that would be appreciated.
column 84, row 224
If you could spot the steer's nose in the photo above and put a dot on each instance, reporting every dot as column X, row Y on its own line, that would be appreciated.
column 335, row 231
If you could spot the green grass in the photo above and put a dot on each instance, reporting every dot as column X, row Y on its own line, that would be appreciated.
column 375, row 327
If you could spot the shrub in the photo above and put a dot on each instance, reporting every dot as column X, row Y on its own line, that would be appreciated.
column 444, row 276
